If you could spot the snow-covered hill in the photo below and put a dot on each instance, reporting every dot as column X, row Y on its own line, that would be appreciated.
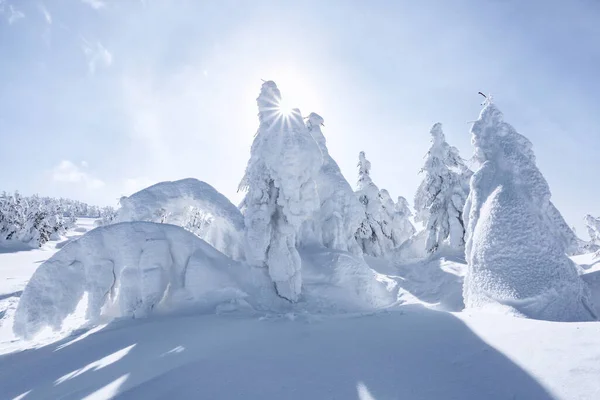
column 421, row 346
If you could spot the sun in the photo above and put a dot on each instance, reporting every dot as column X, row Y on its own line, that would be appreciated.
column 284, row 107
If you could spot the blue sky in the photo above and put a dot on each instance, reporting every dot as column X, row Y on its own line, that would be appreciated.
column 99, row 98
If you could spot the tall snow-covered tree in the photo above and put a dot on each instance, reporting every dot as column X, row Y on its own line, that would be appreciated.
column 374, row 233
column 441, row 196
column 340, row 213
column 281, row 191
column 516, row 261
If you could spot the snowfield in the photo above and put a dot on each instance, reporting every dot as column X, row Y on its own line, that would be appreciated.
column 414, row 342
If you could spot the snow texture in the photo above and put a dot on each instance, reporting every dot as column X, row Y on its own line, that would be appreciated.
column 281, row 197
column 441, row 196
column 194, row 205
column 516, row 261
column 129, row 269
column 340, row 213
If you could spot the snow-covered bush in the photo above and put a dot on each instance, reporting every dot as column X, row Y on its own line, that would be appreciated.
column 129, row 269
column 281, row 193
column 515, row 258
column 441, row 196
column 192, row 204
column 340, row 213
column 374, row 235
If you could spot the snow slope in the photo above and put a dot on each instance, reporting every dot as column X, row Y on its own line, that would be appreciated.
column 19, row 261
column 406, row 351
column 411, row 353
column 192, row 204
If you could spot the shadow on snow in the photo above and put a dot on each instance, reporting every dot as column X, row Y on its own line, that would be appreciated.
column 411, row 353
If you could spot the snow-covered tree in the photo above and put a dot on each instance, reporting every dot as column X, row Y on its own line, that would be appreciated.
column 108, row 215
column 572, row 244
column 281, row 191
column 397, row 216
column 374, row 233
column 441, row 196
column 593, row 227
column 515, row 259
column 340, row 213
column 34, row 219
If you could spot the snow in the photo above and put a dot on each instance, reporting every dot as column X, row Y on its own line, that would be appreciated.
column 192, row 204
column 281, row 192
column 337, row 343
column 311, row 290
column 517, row 262
column 374, row 235
column 441, row 196
column 340, row 213
column 129, row 269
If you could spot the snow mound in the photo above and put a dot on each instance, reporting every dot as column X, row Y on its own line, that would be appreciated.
column 130, row 269
column 140, row 269
column 342, row 281
column 516, row 260
column 194, row 205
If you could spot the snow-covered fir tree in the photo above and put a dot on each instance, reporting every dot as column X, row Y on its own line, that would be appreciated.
column 515, row 258
column 374, row 233
column 281, row 191
column 340, row 213
column 441, row 196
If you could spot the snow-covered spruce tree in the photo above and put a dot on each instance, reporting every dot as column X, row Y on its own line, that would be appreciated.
column 340, row 213
column 281, row 191
column 441, row 196
column 515, row 260
column 374, row 233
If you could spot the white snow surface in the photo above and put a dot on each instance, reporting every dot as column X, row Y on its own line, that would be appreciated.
column 129, row 269
column 194, row 205
column 138, row 269
column 516, row 258
column 414, row 349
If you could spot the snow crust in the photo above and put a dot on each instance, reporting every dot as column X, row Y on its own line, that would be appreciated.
column 194, row 205
column 515, row 259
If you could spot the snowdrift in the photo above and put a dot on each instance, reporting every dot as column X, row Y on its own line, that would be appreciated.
column 194, row 205
column 137, row 269
column 127, row 270
column 516, row 259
